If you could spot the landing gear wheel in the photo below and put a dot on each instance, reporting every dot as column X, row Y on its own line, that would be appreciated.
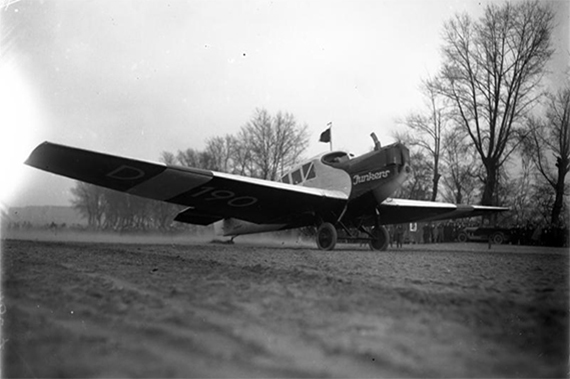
column 380, row 239
column 326, row 236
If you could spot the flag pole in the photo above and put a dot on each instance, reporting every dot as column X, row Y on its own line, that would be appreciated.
column 326, row 136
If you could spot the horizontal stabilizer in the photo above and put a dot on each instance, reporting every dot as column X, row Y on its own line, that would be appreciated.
column 193, row 216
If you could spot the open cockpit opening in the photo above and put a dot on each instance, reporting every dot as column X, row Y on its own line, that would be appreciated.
column 335, row 158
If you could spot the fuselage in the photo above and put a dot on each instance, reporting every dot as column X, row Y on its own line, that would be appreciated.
column 367, row 180
column 378, row 171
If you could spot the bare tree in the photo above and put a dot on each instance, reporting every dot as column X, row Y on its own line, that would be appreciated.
column 243, row 164
column 291, row 141
column 491, row 71
column 113, row 210
column 88, row 199
column 161, row 213
column 418, row 186
column 219, row 153
column 522, row 194
column 551, row 138
column 190, row 158
column 116, row 208
column 460, row 167
column 273, row 142
column 168, row 158
column 427, row 130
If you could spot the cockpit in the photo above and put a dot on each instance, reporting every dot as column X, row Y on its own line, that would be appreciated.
column 302, row 174
column 308, row 171
column 335, row 158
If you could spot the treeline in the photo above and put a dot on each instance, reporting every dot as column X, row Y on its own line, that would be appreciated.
column 490, row 133
column 263, row 148
column 107, row 209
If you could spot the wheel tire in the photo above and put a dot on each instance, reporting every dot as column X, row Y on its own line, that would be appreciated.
column 498, row 238
column 326, row 236
column 462, row 237
column 380, row 239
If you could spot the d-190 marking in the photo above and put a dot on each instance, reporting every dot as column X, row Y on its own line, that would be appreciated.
column 232, row 200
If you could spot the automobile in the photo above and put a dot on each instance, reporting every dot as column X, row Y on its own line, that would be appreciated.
column 495, row 235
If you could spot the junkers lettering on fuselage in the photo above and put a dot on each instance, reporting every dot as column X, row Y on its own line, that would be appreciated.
column 370, row 176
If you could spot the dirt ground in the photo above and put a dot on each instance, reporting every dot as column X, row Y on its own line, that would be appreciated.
column 259, row 309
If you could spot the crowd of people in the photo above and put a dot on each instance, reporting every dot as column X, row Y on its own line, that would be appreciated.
column 449, row 231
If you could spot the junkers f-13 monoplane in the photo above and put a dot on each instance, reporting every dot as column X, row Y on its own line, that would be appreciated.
column 334, row 192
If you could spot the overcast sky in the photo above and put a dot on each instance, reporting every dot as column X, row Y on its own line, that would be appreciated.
column 139, row 77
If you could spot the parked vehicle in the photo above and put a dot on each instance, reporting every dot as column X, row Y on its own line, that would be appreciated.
column 495, row 235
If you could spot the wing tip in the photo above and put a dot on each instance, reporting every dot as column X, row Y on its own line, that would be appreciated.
column 491, row 208
column 32, row 159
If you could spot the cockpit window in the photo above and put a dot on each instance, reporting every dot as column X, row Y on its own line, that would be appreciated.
column 311, row 173
column 300, row 175
column 296, row 176
column 335, row 158
column 308, row 171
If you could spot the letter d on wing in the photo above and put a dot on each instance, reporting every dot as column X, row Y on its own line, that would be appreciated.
column 126, row 173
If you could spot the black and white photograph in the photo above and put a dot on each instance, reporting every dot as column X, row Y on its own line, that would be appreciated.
column 284, row 188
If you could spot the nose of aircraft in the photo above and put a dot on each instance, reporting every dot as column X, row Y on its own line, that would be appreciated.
column 397, row 154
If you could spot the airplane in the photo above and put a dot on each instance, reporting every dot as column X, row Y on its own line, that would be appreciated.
column 335, row 192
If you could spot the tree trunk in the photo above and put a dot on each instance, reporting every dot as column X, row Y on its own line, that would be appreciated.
column 490, row 183
column 559, row 200
column 459, row 197
column 436, row 178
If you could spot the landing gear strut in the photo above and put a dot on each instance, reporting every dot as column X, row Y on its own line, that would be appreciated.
column 326, row 236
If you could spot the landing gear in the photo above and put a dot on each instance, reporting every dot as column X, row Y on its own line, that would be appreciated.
column 380, row 238
column 326, row 236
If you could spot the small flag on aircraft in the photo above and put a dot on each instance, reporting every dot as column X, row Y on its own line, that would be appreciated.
column 326, row 135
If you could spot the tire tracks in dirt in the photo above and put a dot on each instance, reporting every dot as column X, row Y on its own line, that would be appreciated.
column 217, row 311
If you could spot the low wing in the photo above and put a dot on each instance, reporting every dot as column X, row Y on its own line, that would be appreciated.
column 397, row 211
column 209, row 195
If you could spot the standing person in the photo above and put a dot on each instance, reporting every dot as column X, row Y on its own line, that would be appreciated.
column 399, row 236
column 440, row 231
column 426, row 233
column 435, row 234
column 431, row 233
